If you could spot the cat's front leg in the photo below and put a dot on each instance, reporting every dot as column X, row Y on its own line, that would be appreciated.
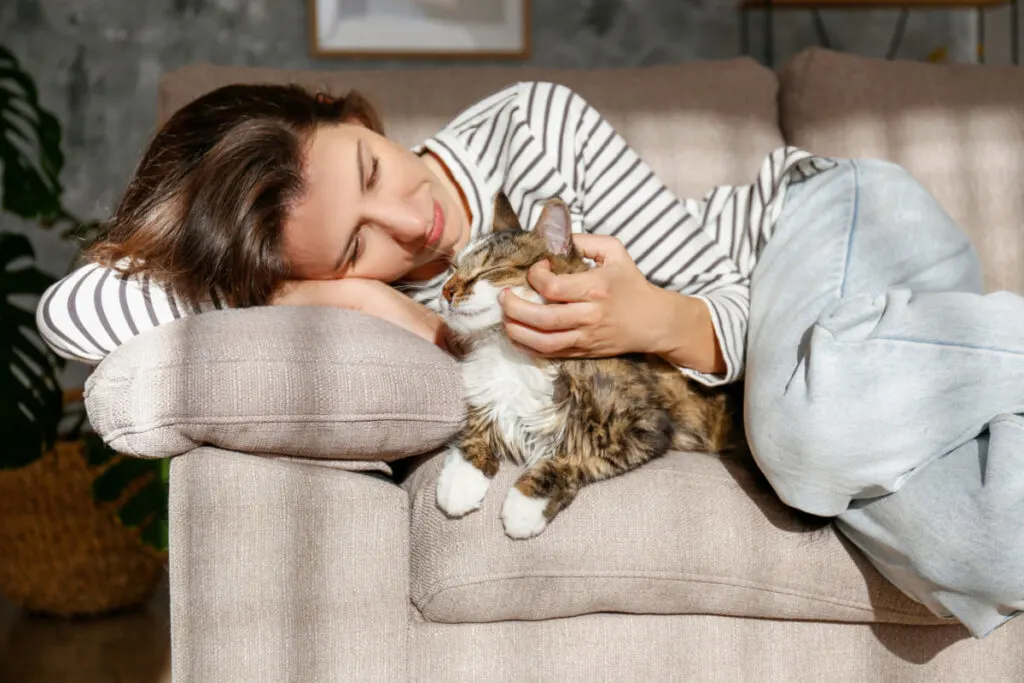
column 548, row 486
column 541, row 491
column 469, row 466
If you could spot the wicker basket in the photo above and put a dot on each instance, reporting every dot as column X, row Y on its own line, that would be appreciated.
column 64, row 554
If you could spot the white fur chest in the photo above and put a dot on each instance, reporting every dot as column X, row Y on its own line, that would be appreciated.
column 516, row 390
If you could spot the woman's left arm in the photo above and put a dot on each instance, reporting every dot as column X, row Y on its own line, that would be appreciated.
column 662, row 283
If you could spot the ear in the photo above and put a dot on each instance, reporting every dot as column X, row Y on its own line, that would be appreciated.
column 555, row 226
column 504, row 215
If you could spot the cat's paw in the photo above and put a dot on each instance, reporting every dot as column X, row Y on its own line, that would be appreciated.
column 461, row 487
column 522, row 515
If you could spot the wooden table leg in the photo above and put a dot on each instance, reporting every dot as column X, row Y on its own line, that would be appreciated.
column 1014, row 32
column 820, row 30
column 897, row 36
column 744, row 32
column 981, row 35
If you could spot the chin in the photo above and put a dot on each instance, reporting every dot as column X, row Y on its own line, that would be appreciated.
column 475, row 324
column 471, row 321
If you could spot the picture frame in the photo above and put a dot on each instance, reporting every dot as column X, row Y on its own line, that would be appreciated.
column 420, row 29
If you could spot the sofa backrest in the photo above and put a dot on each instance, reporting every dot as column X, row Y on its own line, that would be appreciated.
column 958, row 128
column 693, row 131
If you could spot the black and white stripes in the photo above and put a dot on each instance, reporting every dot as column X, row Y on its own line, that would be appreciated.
column 93, row 310
column 533, row 141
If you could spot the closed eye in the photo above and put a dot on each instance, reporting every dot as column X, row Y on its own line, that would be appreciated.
column 498, row 269
column 371, row 181
column 358, row 250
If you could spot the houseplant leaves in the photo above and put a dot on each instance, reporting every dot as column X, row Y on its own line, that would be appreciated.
column 30, row 393
column 145, row 507
column 30, row 153
column 30, row 164
column 31, row 406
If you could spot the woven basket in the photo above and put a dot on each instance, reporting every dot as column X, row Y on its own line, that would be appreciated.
column 63, row 553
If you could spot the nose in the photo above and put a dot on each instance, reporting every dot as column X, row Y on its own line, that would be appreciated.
column 448, row 291
column 403, row 220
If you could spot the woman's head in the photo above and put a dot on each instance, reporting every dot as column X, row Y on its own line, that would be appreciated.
column 370, row 209
column 252, row 185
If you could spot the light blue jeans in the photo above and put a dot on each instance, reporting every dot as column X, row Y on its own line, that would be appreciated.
column 885, row 390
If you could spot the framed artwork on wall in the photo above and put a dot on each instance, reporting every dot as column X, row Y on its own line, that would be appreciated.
column 420, row 29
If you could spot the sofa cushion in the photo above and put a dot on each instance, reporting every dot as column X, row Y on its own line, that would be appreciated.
column 958, row 128
column 302, row 381
column 687, row 533
column 693, row 132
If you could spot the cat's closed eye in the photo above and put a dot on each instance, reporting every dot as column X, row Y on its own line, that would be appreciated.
column 498, row 272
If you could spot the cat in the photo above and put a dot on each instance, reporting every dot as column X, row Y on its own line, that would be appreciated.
column 566, row 422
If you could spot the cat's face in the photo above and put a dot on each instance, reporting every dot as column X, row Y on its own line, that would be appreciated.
column 469, row 300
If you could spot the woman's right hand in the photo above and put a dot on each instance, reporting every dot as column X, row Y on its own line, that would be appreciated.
column 371, row 297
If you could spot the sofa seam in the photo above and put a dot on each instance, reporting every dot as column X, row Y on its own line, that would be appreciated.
column 128, row 375
column 381, row 488
column 683, row 577
column 276, row 420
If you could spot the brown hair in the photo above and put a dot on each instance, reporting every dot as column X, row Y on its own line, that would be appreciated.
column 206, row 205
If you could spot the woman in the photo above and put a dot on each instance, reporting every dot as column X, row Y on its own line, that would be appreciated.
column 874, row 387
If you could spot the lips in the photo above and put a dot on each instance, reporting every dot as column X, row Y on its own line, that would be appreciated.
column 437, row 226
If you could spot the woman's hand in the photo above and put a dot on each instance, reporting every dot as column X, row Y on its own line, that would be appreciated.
column 367, row 296
column 606, row 311
column 610, row 310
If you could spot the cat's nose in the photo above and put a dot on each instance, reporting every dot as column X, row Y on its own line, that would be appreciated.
column 448, row 291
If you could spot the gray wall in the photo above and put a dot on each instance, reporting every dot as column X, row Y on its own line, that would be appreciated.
column 97, row 62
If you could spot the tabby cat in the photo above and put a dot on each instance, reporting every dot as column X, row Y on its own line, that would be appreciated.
column 567, row 422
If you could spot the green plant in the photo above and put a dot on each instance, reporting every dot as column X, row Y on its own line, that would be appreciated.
column 146, row 508
column 31, row 398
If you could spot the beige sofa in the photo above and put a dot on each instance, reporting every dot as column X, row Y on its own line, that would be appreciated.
column 305, row 543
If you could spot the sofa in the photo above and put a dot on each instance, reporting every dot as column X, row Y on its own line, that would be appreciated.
column 305, row 543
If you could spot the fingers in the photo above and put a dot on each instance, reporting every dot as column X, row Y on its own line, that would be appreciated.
column 601, row 248
column 569, row 287
column 545, row 317
column 563, row 344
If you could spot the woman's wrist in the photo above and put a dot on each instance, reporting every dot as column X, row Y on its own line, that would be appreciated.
column 684, row 333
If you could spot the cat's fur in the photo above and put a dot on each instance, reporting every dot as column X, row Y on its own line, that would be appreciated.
column 567, row 422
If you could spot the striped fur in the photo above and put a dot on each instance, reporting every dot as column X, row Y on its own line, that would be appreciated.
column 568, row 422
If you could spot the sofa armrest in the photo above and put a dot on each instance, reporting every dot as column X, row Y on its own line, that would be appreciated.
column 284, row 571
column 304, row 381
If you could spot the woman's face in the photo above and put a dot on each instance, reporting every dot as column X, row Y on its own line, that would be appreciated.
column 372, row 209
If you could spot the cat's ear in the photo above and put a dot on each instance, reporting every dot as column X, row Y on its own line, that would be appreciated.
column 504, row 215
column 555, row 226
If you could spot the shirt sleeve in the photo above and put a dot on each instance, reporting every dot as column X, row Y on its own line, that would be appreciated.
column 93, row 310
column 619, row 195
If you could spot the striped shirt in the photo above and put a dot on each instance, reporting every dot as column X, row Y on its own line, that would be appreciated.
column 532, row 141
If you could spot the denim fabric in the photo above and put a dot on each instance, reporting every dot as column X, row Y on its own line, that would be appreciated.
column 884, row 388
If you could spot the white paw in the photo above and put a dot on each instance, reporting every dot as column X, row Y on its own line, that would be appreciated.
column 523, row 516
column 460, row 487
